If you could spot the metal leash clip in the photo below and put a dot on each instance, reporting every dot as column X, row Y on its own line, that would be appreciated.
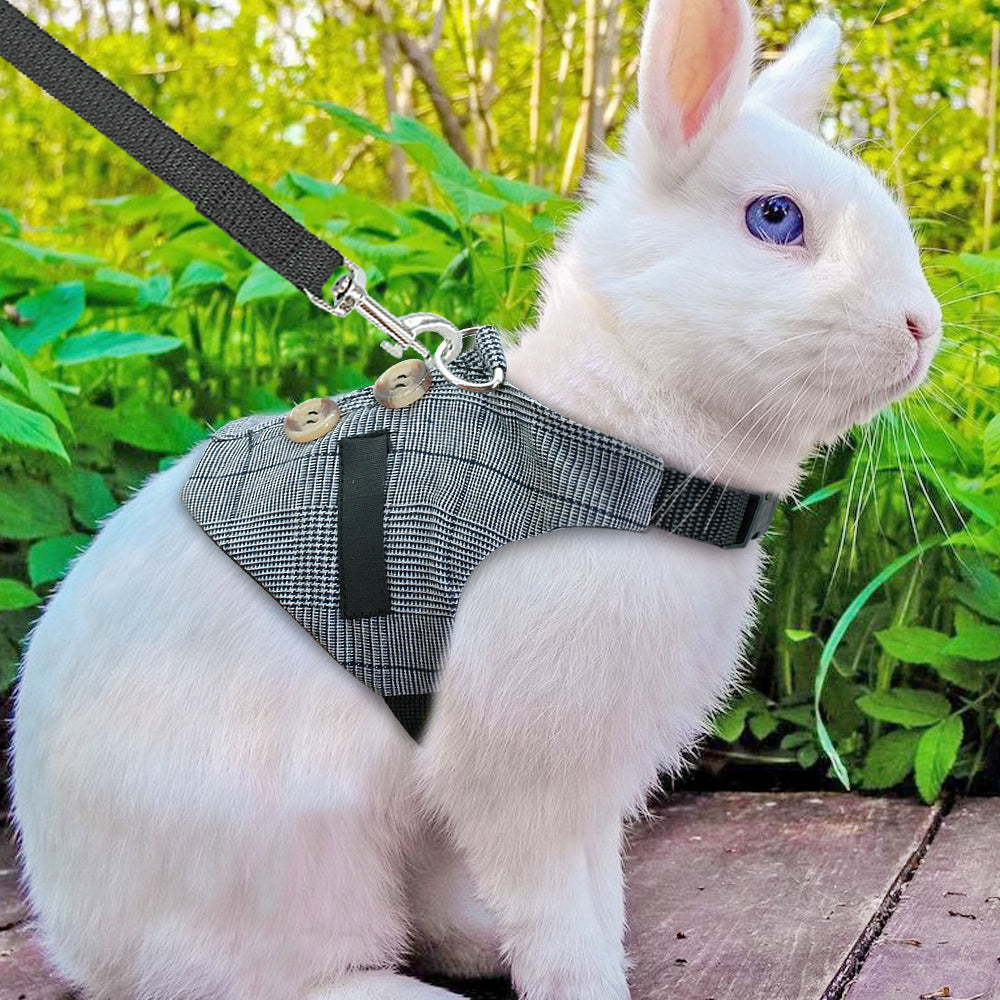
column 349, row 293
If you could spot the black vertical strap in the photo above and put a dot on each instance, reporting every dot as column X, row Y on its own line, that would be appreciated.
column 219, row 194
column 412, row 711
column 364, row 585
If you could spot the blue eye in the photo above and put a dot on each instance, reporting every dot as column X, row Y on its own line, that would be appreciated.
column 775, row 218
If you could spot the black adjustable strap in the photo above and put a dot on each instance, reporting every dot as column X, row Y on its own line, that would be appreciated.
column 219, row 194
column 708, row 512
column 364, row 582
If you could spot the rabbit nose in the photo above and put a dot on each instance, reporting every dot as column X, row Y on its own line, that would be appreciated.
column 918, row 331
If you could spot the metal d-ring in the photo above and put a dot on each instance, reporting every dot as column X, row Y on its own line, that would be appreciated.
column 449, row 349
column 442, row 366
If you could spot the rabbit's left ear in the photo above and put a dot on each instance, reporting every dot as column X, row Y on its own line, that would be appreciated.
column 797, row 86
column 694, row 73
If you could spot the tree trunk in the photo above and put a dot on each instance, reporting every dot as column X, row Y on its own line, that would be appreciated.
column 892, row 101
column 582, row 129
column 568, row 32
column 472, row 85
column 537, row 169
column 488, row 44
column 424, row 69
column 387, row 50
column 991, row 139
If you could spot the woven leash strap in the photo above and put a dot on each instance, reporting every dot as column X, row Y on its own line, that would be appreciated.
column 218, row 193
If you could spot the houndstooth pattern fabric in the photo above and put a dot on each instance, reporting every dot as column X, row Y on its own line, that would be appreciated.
column 467, row 472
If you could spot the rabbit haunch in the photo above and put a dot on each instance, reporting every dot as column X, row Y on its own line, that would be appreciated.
column 208, row 808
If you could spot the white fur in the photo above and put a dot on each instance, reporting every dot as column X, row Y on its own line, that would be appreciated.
column 210, row 808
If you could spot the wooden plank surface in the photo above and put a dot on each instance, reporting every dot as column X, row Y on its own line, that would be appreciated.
column 12, row 907
column 952, row 908
column 732, row 896
column 24, row 972
column 760, row 897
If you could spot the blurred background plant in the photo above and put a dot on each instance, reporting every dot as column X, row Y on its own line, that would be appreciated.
column 440, row 143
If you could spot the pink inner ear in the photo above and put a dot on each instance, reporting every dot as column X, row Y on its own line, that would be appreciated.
column 707, row 42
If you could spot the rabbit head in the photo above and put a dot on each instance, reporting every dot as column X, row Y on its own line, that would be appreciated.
column 740, row 263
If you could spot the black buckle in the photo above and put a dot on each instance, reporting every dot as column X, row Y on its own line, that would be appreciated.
column 757, row 519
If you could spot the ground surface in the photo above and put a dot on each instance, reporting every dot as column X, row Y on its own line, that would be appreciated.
column 748, row 896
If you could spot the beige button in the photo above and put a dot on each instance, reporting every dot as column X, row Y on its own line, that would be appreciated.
column 403, row 384
column 312, row 419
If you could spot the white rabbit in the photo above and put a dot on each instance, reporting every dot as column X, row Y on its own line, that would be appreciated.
column 210, row 807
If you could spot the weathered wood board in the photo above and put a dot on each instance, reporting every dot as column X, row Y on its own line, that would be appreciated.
column 952, row 908
column 12, row 908
column 757, row 897
column 760, row 897
column 24, row 972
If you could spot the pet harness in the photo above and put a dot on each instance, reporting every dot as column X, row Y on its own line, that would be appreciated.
column 367, row 535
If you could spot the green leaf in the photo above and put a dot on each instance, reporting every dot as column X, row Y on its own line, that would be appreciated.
column 819, row 495
column 14, row 361
column 991, row 443
column 468, row 201
column 798, row 634
column 11, row 248
column 965, row 675
column 51, row 313
column 15, row 595
column 979, row 590
column 155, row 291
column 90, row 498
column 314, row 187
column 914, row 644
column 890, row 759
column 905, row 706
column 108, row 287
column 10, row 221
column 729, row 724
column 981, row 643
column 29, row 509
column 351, row 119
column 113, row 344
column 41, row 392
column 762, row 724
column 263, row 283
column 29, row 428
column 837, row 635
column 155, row 427
column 792, row 741
column 798, row 715
column 430, row 150
column 983, row 270
column 200, row 274
column 807, row 756
column 936, row 754
column 49, row 559
column 517, row 192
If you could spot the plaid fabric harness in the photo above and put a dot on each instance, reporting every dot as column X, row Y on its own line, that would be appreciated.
column 367, row 536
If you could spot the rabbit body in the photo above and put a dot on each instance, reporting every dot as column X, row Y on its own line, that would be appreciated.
column 210, row 807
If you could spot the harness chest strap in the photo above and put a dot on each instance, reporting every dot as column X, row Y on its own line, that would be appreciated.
column 368, row 534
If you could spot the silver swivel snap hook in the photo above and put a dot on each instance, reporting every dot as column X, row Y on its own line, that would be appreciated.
column 349, row 293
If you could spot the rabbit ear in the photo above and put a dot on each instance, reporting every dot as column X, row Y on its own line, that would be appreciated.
column 797, row 86
column 694, row 73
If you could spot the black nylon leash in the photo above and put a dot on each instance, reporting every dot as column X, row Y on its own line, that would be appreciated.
column 685, row 505
column 220, row 195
